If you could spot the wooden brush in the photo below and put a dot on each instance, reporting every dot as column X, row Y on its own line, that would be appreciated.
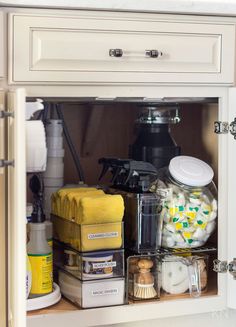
column 144, row 283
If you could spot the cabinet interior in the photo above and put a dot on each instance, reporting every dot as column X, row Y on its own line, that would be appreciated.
column 107, row 129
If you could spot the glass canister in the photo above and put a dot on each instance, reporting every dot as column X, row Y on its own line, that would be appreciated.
column 189, row 202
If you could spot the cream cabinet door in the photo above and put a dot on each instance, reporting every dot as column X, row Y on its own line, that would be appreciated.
column 114, row 48
column 16, row 212
column 3, row 238
column 231, row 196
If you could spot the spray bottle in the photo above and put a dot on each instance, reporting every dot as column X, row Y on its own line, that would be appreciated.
column 39, row 252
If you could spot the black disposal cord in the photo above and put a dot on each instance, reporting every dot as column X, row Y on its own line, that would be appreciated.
column 43, row 113
column 70, row 143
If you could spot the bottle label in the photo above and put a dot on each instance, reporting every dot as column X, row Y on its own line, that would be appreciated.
column 28, row 276
column 41, row 265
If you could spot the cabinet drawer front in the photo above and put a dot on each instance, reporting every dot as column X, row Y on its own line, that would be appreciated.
column 77, row 50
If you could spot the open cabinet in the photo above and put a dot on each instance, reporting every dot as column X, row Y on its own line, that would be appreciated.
column 196, row 133
column 51, row 53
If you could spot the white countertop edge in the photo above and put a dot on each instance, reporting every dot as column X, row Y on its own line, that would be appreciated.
column 210, row 7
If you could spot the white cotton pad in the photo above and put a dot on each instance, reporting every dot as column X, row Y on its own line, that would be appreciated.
column 175, row 279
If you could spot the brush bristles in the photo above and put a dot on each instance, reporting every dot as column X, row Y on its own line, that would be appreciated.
column 146, row 291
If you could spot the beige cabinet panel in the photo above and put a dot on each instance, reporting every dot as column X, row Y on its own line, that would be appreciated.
column 77, row 50
column 2, row 252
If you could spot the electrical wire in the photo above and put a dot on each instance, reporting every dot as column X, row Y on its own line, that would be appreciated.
column 70, row 143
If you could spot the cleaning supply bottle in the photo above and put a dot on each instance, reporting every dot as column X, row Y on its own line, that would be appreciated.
column 28, row 276
column 28, row 265
column 40, row 254
column 29, row 210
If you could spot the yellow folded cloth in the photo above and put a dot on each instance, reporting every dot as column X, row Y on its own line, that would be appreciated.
column 72, row 199
column 99, row 209
column 58, row 198
column 63, row 193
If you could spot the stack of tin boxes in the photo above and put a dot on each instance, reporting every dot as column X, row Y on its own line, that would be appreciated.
column 89, row 252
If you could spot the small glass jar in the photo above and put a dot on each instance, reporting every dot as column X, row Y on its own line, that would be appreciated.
column 184, row 274
column 144, row 275
column 189, row 202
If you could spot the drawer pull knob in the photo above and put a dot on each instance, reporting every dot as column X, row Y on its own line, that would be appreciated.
column 115, row 52
column 153, row 53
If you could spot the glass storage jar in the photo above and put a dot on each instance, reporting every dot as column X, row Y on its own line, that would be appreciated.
column 184, row 275
column 189, row 202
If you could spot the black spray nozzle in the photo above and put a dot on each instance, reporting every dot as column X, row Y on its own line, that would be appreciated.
column 127, row 173
column 38, row 215
column 36, row 187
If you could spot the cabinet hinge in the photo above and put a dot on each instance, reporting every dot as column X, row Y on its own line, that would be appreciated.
column 223, row 127
column 223, row 267
column 6, row 163
column 4, row 114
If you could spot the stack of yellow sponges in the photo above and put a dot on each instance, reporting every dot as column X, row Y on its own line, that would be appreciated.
column 87, row 205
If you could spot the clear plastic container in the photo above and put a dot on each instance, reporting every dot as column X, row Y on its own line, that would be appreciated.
column 90, row 265
column 86, row 238
column 189, row 202
column 184, row 275
column 92, row 294
column 143, row 273
column 142, row 221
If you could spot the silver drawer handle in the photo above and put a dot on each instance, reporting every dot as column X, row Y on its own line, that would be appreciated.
column 115, row 52
column 153, row 53
column 149, row 53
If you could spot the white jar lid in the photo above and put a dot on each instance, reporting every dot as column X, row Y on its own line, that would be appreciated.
column 191, row 171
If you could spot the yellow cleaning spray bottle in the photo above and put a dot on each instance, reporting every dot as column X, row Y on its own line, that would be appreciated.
column 28, row 277
column 40, row 255
column 28, row 265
